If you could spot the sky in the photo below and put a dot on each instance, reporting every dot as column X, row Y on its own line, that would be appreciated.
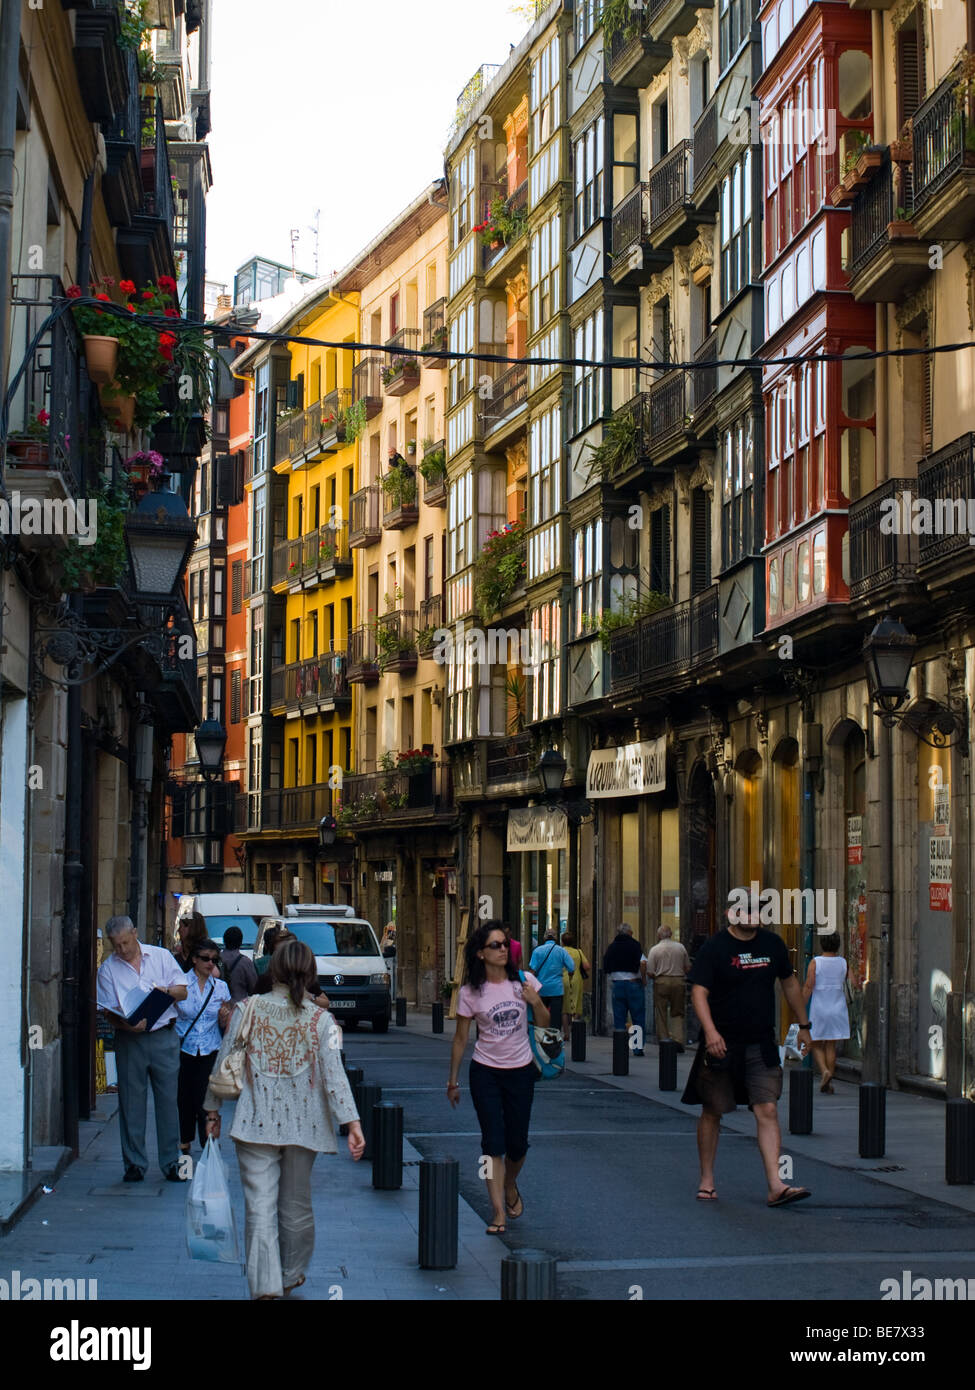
column 339, row 105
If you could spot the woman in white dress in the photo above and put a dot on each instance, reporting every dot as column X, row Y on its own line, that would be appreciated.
column 825, row 994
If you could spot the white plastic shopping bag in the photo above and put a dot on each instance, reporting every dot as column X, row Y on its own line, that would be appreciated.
column 211, row 1231
column 790, row 1048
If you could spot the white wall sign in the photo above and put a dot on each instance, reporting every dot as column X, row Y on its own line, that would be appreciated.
column 539, row 827
column 633, row 770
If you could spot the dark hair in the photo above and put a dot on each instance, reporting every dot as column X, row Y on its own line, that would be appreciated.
column 830, row 942
column 196, row 931
column 568, row 938
column 270, row 937
column 476, row 972
column 294, row 965
column 205, row 945
column 232, row 938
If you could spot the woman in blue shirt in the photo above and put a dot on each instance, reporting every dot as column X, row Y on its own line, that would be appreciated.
column 199, row 1032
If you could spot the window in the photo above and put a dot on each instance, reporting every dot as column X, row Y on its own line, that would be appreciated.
column 734, row 20
column 660, row 550
column 236, row 585
column 462, row 340
column 737, row 486
column 460, row 523
column 261, row 418
column 544, row 272
column 910, row 65
column 545, row 94
column 588, row 165
column 587, row 17
column 736, row 228
column 218, row 577
column 544, row 466
column 588, row 380
column 545, row 678
column 216, row 699
column 625, row 161
column 459, row 722
column 259, row 504
column 462, row 195
column 700, row 540
column 587, row 577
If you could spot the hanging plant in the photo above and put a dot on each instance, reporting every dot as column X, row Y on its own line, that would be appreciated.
column 617, row 452
column 499, row 569
column 105, row 561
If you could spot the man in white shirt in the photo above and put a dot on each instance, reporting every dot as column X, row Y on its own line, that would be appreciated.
column 143, row 1056
column 667, row 964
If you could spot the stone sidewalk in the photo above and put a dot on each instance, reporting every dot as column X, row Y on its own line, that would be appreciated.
column 915, row 1149
column 130, row 1237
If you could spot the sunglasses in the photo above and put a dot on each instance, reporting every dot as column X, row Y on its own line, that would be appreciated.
column 495, row 945
column 211, row 959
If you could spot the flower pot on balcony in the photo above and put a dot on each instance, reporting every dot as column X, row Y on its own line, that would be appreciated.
column 868, row 161
column 28, row 453
column 119, row 407
column 838, row 196
column 101, row 358
column 901, row 151
column 901, row 230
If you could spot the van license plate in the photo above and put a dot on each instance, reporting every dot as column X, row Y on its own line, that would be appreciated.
column 341, row 1004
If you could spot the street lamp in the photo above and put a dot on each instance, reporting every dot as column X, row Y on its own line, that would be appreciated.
column 161, row 534
column 211, row 740
column 327, row 828
column 888, row 654
column 550, row 771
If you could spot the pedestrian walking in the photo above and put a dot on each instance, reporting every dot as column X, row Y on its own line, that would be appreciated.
column 515, row 953
column 549, row 961
column 572, row 984
column 667, row 965
column 144, row 1056
column 502, row 1070
column 624, row 963
column 274, row 938
column 190, row 931
column 733, row 993
column 199, row 1030
column 236, row 970
column 825, row 994
column 388, row 948
column 294, row 1094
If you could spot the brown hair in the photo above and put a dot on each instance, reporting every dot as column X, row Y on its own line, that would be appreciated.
column 195, row 928
column 293, row 964
column 568, row 939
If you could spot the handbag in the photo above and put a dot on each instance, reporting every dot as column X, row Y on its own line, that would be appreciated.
column 227, row 1077
column 547, row 1045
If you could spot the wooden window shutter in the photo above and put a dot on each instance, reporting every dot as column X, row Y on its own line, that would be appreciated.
column 178, row 826
column 235, row 697
column 927, row 442
column 236, row 585
column 910, row 67
column 700, row 540
column 660, row 551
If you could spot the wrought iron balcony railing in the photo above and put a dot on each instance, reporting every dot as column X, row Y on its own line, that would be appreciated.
column 705, row 139
column 946, row 479
column 364, row 526
column 508, row 393
column 666, row 644
column 877, row 557
column 630, row 220
column 52, row 383
column 318, row 680
column 671, row 181
column 667, row 405
column 940, row 132
column 705, row 383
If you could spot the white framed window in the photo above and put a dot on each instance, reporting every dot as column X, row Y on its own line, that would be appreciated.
column 587, row 576
column 460, row 523
column 545, row 466
column 546, row 677
column 463, row 181
column 544, row 271
column 459, row 722
column 462, row 373
column 736, row 227
column 588, row 163
column 588, row 380
column 545, row 94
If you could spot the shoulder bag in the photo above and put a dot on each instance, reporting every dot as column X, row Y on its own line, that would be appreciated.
column 547, row 1045
column 201, row 1008
column 227, row 1078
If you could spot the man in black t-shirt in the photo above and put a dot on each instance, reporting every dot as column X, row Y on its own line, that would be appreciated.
column 733, row 993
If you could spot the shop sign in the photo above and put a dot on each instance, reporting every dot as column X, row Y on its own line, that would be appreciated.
column 939, row 887
column 854, row 839
column 537, row 828
column 636, row 769
column 384, row 875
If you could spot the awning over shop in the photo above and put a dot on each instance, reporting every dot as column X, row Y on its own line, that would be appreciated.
column 537, row 828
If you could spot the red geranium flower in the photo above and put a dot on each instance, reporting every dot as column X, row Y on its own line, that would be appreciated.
column 74, row 292
column 131, row 308
column 167, row 342
column 106, row 297
column 167, row 284
column 44, row 417
column 107, row 280
column 148, row 294
column 126, row 286
column 172, row 313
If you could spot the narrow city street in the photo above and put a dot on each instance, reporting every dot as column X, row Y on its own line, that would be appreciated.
column 610, row 1182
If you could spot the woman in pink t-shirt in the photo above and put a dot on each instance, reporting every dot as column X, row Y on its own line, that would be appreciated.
column 502, row 1075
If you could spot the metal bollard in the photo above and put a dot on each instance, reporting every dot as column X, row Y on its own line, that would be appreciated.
column 621, row 1052
column 800, row 1101
column 436, row 1021
column 356, row 1076
column 439, row 1196
column 667, row 1067
column 387, row 1137
column 959, row 1141
column 367, row 1095
column 578, row 1040
column 528, row 1274
column 400, row 1011
column 873, row 1120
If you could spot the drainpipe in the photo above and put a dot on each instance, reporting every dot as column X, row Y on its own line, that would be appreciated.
column 882, row 1073
column 9, row 73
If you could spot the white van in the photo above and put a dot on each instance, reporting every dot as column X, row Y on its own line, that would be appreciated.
column 223, row 910
column 351, row 968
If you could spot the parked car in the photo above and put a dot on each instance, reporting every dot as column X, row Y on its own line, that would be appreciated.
column 223, row 910
column 351, row 968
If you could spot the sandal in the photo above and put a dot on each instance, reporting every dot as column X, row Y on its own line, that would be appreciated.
column 707, row 1194
column 510, row 1206
column 789, row 1194
column 290, row 1288
column 495, row 1229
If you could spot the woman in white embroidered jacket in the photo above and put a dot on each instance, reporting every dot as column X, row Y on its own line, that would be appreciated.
column 294, row 1092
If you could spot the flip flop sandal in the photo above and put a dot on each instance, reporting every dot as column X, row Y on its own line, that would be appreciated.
column 290, row 1288
column 707, row 1194
column 791, row 1194
column 518, row 1202
column 495, row 1229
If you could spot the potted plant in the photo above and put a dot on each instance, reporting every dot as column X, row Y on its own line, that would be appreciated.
column 901, row 226
column 31, row 445
column 499, row 569
column 433, row 465
column 145, row 470
column 326, row 552
column 414, row 761
column 104, row 562
column 101, row 343
column 425, row 638
column 411, row 448
column 629, row 612
column 618, row 450
column 399, row 488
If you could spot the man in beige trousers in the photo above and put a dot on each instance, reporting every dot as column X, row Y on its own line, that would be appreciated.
column 667, row 964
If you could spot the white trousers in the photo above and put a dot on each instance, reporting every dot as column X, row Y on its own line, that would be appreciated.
column 279, row 1226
